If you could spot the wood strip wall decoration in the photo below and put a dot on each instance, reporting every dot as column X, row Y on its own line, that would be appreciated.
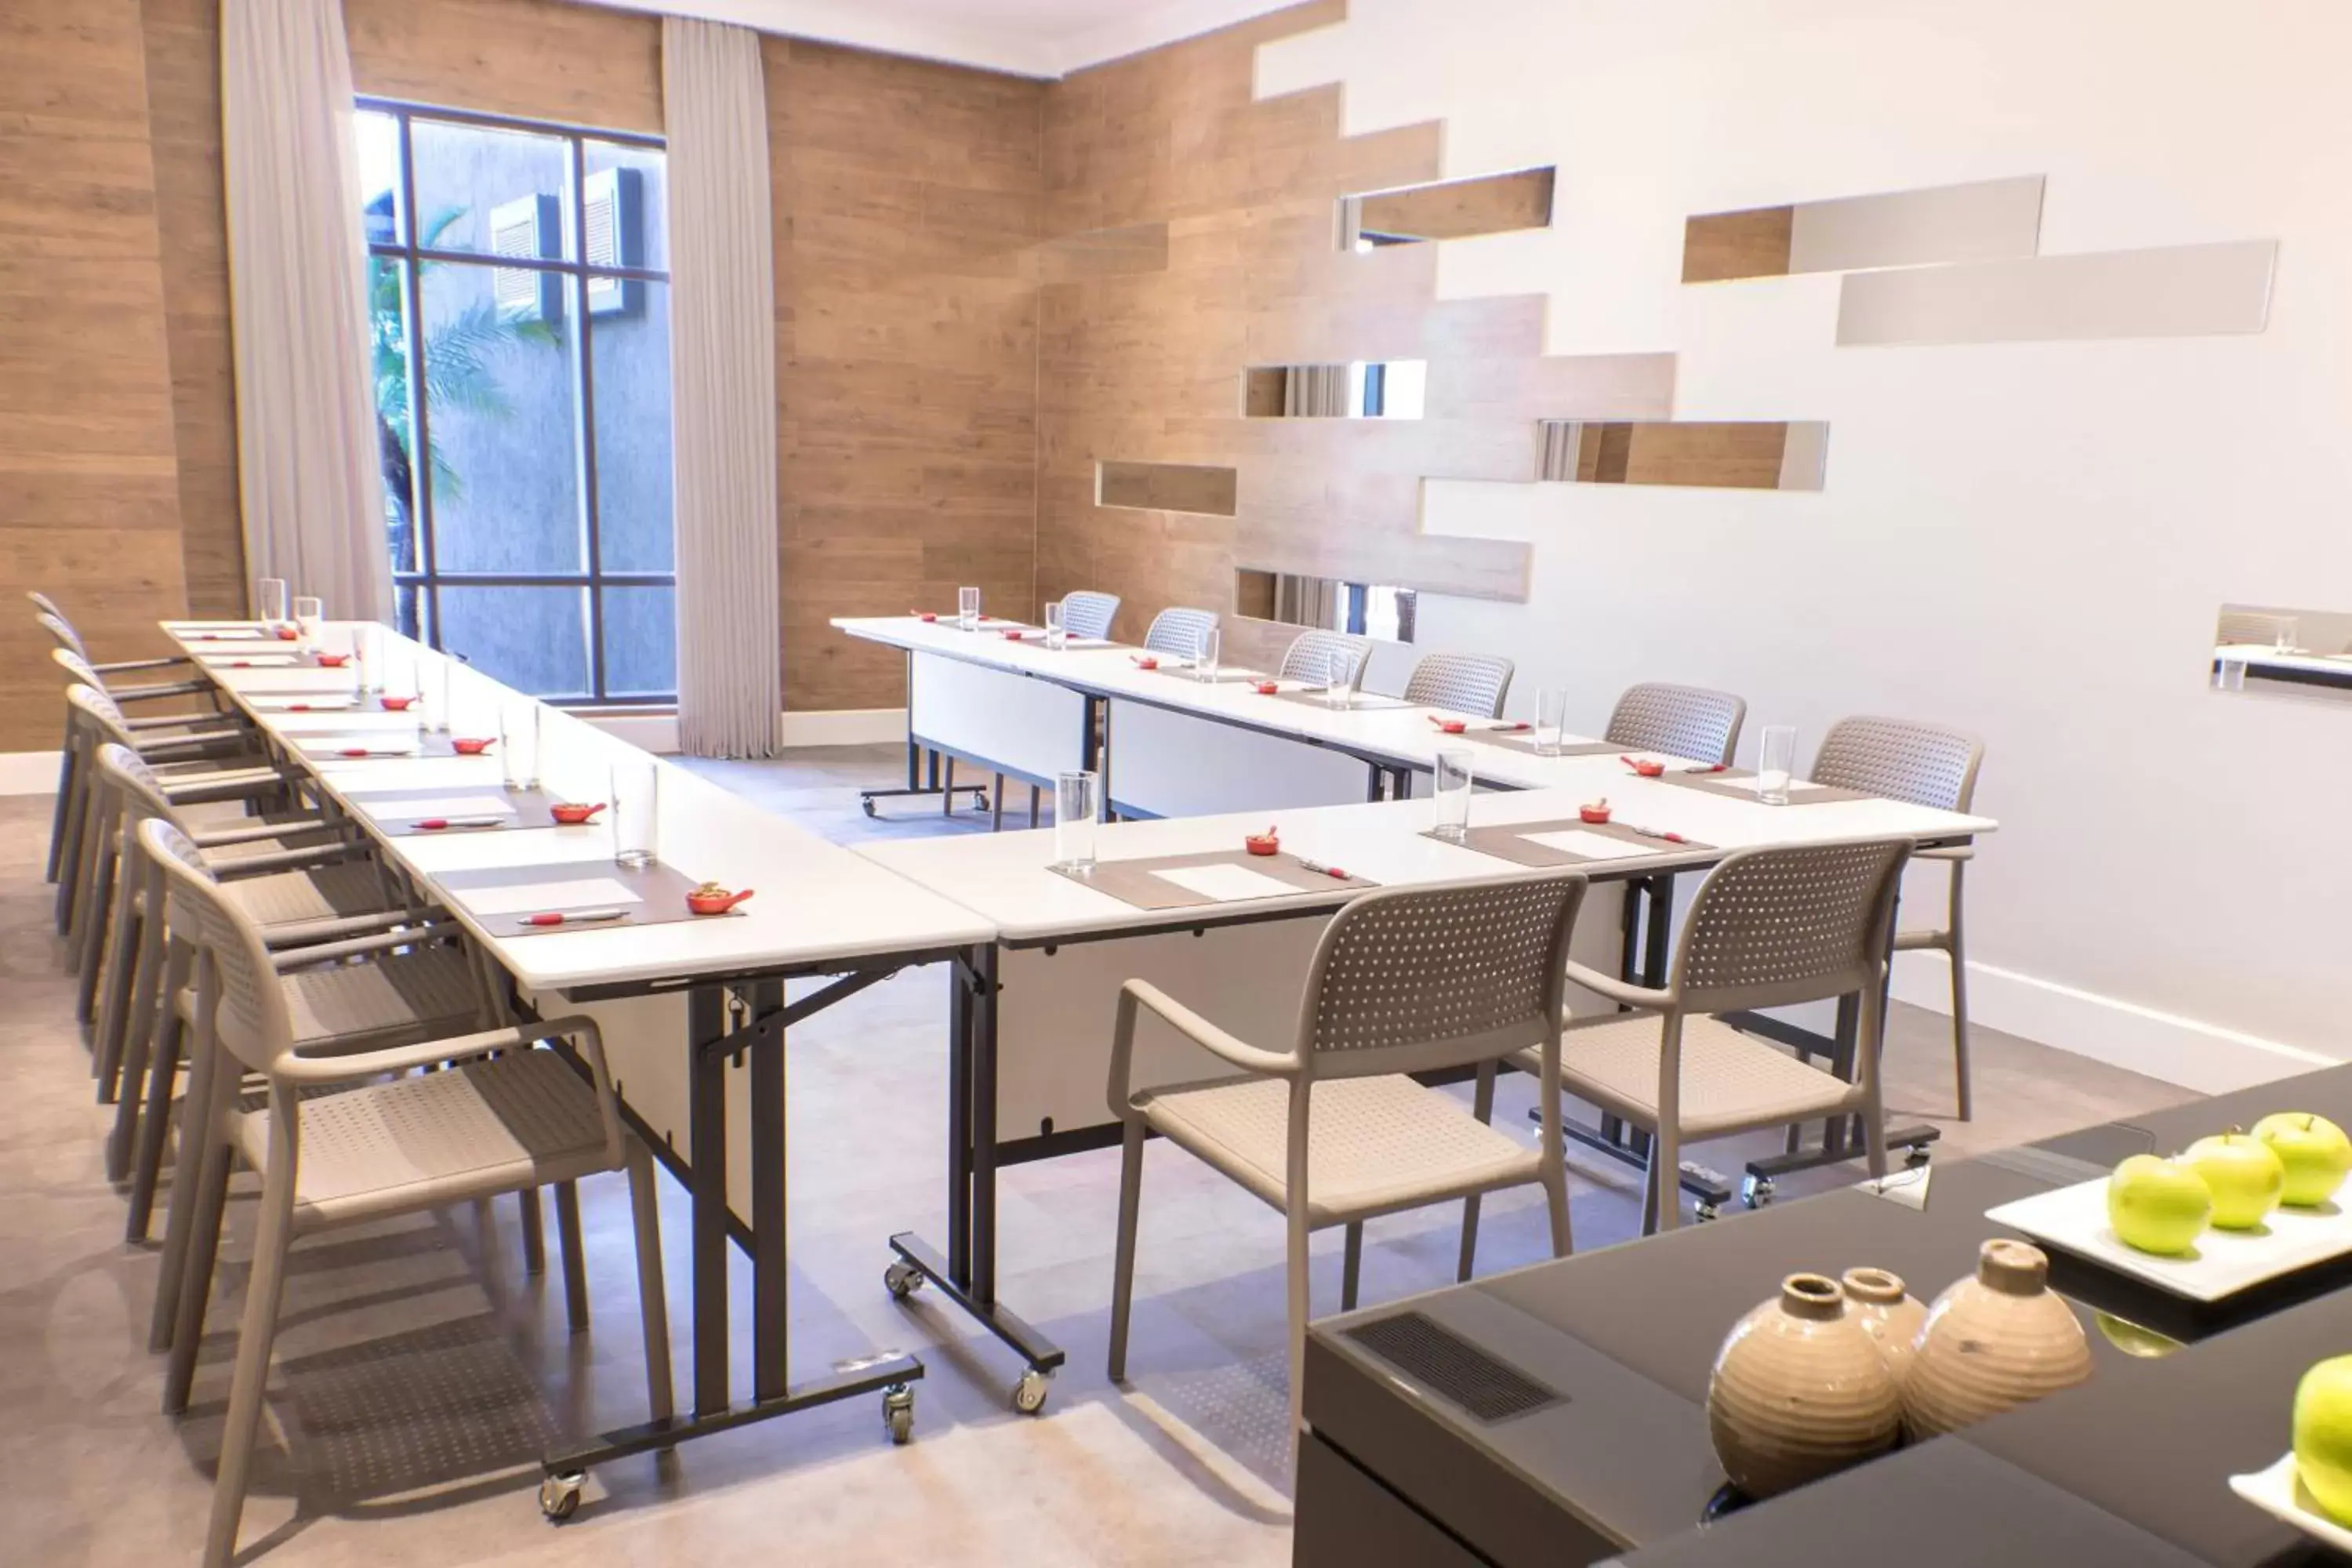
column 1449, row 209
column 1205, row 491
column 1984, row 220
column 1753, row 454
column 90, row 509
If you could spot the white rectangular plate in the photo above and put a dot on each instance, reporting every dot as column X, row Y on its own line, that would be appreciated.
column 531, row 897
column 2223, row 1263
column 2279, row 1493
column 1589, row 845
column 1225, row 883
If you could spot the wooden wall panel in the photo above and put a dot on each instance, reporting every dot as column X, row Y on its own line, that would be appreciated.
column 1496, row 204
column 1717, row 246
column 907, row 201
column 89, row 508
column 536, row 60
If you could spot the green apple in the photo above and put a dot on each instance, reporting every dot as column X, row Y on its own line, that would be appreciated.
column 2157, row 1205
column 2244, row 1177
column 2313, row 1149
column 2323, row 1436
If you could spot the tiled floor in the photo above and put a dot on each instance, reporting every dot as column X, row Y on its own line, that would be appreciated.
column 421, row 1370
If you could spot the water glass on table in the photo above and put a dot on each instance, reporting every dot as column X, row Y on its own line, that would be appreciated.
column 1775, row 763
column 433, row 695
column 2286, row 641
column 367, row 645
column 968, row 608
column 1453, row 792
column 637, row 811
column 1340, row 682
column 270, row 601
column 1075, row 804
column 518, row 745
column 1205, row 655
column 1057, row 630
column 1551, row 721
column 310, row 614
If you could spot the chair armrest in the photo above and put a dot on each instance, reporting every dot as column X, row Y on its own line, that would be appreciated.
column 1622, row 992
column 123, row 666
column 220, row 837
column 1954, row 852
column 284, row 860
column 190, row 748
column 1192, row 1026
column 156, row 723
column 359, row 946
column 310, row 932
column 123, row 694
column 227, row 785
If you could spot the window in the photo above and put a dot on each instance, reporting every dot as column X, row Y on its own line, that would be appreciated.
column 519, row 329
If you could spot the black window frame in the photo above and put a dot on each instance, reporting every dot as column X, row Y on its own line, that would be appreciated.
column 418, row 589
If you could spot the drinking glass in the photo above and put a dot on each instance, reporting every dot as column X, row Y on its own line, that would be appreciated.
column 1775, row 763
column 1205, row 655
column 1057, row 633
column 968, row 608
column 1074, row 803
column 2287, row 628
column 1551, row 721
column 1453, row 791
column 367, row 642
column 1340, row 684
column 269, row 600
column 519, row 744
column 433, row 695
column 637, row 811
column 310, row 614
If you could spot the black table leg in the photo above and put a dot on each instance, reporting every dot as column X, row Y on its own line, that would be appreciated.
column 706, row 1026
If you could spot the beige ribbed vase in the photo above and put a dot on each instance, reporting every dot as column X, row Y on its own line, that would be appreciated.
column 1888, row 1314
column 1991, row 1342
column 1799, row 1391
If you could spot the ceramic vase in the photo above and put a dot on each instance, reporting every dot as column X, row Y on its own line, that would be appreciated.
column 1991, row 1342
column 1799, row 1391
column 1888, row 1314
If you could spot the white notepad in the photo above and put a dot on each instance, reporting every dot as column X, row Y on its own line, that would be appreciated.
column 458, row 806
column 1227, row 882
column 533, row 898
column 1590, row 846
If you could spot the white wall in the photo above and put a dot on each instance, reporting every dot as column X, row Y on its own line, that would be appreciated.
column 2028, row 540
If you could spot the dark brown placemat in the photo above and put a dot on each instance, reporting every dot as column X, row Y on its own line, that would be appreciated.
column 660, row 889
column 1131, row 881
column 1720, row 783
column 1364, row 701
column 1511, row 842
column 1522, row 742
column 381, row 808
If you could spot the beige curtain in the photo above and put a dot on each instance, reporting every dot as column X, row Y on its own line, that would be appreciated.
column 723, row 369
column 305, row 434
column 1316, row 392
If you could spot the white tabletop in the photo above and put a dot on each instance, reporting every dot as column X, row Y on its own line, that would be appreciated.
column 818, row 902
column 1005, row 877
column 2263, row 655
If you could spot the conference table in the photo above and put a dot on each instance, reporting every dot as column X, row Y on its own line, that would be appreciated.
column 1612, row 1462
column 2297, row 667
column 1029, row 1032
column 683, row 1004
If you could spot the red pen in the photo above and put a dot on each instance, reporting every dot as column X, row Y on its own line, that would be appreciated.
column 1317, row 866
column 573, row 917
column 1659, row 833
column 435, row 823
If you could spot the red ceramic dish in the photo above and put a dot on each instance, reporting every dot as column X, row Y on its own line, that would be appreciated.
column 1266, row 843
column 333, row 660
column 1596, row 812
column 288, row 634
column 710, row 898
column 470, row 747
column 571, row 814
column 1268, row 688
column 926, row 617
column 1449, row 726
column 396, row 704
column 1645, row 766
column 1147, row 664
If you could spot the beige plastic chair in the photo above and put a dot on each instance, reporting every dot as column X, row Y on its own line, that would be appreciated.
column 73, row 747
column 1460, row 683
column 504, row 1118
column 2252, row 627
column 1176, row 631
column 1769, row 928
column 1330, row 1130
column 1088, row 614
column 1308, row 658
column 1924, row 765
column 1680, row 720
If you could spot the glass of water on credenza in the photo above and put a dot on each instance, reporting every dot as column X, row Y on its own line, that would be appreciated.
column 1057, row 629
column 637, row 811
column 1076, row 803
column 968, row 608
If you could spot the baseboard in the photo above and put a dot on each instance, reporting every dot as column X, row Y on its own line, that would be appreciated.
column 2207, row 1058
column 28, row 773
column 845, row 727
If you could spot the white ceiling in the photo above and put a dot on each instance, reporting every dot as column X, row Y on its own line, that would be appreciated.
column 1033, row 37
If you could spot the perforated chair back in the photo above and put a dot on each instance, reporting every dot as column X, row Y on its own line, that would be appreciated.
column 136, row 785
column 2253, row 627
column 1680, row 720
column 1177, row 630
column 61, row 629
column 92, row 704
column 1771, row 927
column 1461, row 683
column 1419, row 979
column 252, row 1020
column 1923, row 764
column 1308, row 658
column 43, row 604
column 1086, row 613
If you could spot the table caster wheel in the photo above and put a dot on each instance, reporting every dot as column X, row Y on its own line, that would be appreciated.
column 868, row 805
column 1703, row 1212
column 899, row 1412
column 1756, row 1192
column 1029, row 1393
column 902, row 1280
column 559, row 1495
